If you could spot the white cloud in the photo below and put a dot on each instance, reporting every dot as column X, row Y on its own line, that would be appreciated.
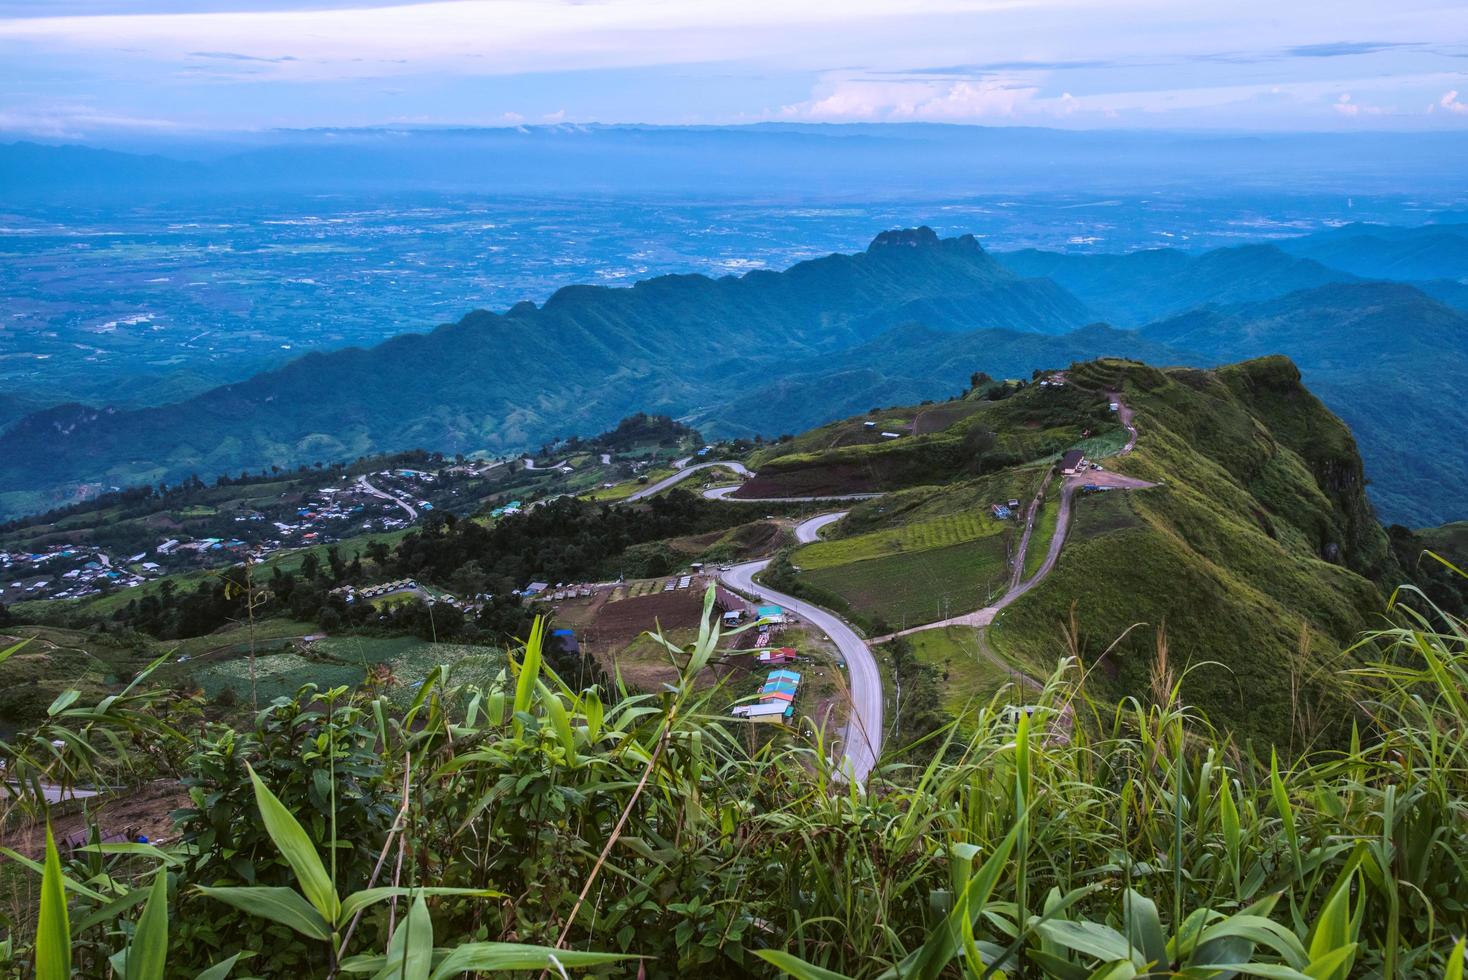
column 77, row 122
column 1450, row 102
column 878, row 100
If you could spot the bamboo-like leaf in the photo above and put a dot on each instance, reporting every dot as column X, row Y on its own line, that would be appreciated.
column 1282, row 804
column 357, row 901
column 943, row 942
column 133, row 849
column 1144, row 927
column 797, row 967
column 70, row 884
column 1331, row 965
column 497, row 957
column 221, row 970
column 6, row 653
column 147, row 954
column 283, row 905
column 1454, row 970
column 296, row 847
column 53, row 930
column 560, row 721
column 63, row 701
column 1331, row 935
column 529, row 672
column 410, row 951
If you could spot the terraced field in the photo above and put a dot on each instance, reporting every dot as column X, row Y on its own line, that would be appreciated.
column 943, row 532
column 914, row 587
column 344, row 660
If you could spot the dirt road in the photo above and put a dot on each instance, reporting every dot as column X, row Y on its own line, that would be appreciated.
column 980, row 618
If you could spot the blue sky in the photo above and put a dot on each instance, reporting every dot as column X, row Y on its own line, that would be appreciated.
column 93, row 69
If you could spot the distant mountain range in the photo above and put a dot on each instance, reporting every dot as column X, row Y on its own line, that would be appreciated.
column 910, row 318
column 886, row 160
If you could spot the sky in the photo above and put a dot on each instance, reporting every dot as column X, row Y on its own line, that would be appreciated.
column 95, row 69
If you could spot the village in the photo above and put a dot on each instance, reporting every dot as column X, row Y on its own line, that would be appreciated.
column 756, row 663
column 384, row 501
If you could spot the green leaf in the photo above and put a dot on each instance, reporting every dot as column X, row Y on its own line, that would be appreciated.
column 410, row 951
column 1144, row 927
column 1336, row 963
column 147, row 954
column 220, row 970
column 296, row 847
column 1088, row 938
column 134, row 849
column 5, row 654
column 357, row 901
column 797, row 967
column 529, row 671
column 69, row 883
column 560, row 721
column 1454, row 969
column 63, row 701
column 943, row 942
column 53, row 930
column 1331, row 934
column 490, row 957
column 283, row 905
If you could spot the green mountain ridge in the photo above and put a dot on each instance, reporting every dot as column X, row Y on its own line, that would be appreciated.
column 588, row 356
column 906, row 320
column 1135, row 288
column 1257, row 554
column 1384, row 356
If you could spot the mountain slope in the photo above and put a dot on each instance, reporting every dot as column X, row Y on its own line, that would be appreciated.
column 1138, row 287
column 1383, row 356
column 912, row 363
column 1385, row 252
column 589, row 356
column 1256, row 552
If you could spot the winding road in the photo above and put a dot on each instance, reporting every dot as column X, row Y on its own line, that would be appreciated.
column 862, row 740
column 980, row 618
column 726, row 493
column 863, row 735
column 369, row 488
column 684, row 472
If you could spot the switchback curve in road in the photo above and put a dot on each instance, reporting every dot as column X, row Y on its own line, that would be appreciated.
column 682, row 474
column 862, row 740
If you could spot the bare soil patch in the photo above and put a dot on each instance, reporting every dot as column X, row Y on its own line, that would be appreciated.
column 823, row 481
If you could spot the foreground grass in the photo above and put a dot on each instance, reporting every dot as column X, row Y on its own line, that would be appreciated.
column 531, row 825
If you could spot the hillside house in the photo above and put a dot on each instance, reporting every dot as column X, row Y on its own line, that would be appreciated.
column 783, row 655
column 1072, row 462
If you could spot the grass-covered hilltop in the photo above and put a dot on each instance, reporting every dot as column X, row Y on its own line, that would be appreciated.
column 1106, row 671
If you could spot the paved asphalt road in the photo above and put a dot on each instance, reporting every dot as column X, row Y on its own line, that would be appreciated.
column 683, row 473
column 412, row 514
column 863, row 736
column 724, row 493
